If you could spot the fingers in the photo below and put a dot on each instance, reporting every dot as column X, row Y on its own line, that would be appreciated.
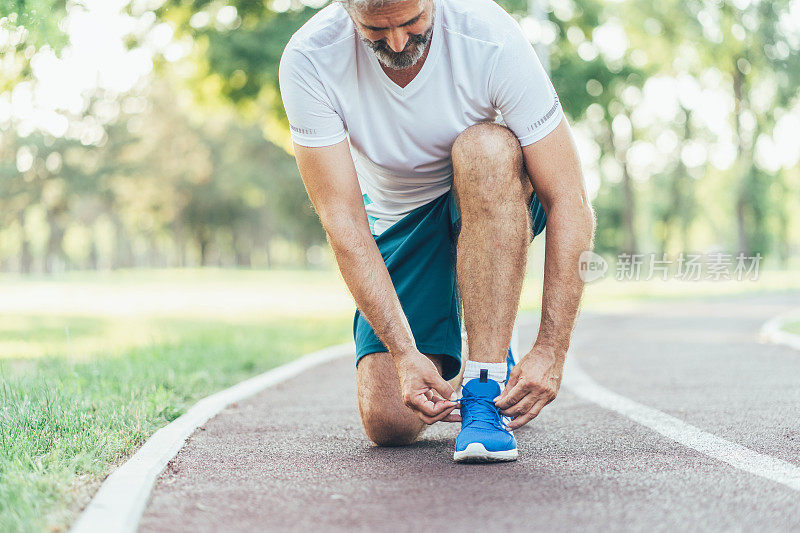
column 530, row 415
column 433, row 419
column 512, row 396
column 431, row 400
column 424, row 406
column 444, row 415
column 438, row 384
column 430, row 406
column 512, row 382
column 521, row 407
column 433, row 396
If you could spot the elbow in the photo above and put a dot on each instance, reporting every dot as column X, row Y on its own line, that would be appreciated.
column 345, row 232
column 585, row 218
column 586, row 211
column 578, row 215
column 590, row 221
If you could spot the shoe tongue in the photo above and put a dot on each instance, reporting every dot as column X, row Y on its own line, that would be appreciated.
column 485, row 389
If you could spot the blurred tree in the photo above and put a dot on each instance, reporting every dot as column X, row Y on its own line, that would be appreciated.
column 215, row 181
column 754, row 47
column 589, row 76
column 240, row 44
column 188, row 172
column 176, row 186
column 39, row 18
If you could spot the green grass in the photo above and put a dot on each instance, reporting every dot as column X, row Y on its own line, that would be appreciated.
column 792, row 327
column 66, row 418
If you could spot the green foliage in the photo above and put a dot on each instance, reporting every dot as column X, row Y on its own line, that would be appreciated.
column 39, row 17
column 244, row 59
column 254, row 49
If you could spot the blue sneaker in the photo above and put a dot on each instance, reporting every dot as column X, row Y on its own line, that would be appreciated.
column 484, row 436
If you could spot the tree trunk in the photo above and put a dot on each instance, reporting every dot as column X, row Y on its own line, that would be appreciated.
column 203, row 241
column 741, row 200
column 25, row 256
column 55, row 251
column 629, row 208
column 180, row 244
column 629, row 211
column 93, row 257
column 123, row 255
column 741, row 226
column 681, row 197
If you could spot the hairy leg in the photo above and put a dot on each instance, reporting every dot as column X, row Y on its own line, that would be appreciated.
column 387, row 420
column 493, row 194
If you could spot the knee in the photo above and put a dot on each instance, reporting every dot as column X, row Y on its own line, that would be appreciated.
column 487, row 142
column 488, row 163
column 386, row 420
column 387, row 430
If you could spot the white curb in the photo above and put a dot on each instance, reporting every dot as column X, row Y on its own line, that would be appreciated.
column 120, row 502
column 771, row 330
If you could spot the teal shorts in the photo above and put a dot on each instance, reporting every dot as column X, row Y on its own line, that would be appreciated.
column 420, row 252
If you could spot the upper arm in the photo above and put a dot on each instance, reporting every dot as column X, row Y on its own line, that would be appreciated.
column 555, row 170
column 320, row 142
column 521, row 90
column 313, row 120
column 329, row 176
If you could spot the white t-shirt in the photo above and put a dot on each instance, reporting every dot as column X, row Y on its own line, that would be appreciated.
column 479, row 63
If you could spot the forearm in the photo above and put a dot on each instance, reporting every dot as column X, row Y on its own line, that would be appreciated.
column 368, row 280
column 570, row 231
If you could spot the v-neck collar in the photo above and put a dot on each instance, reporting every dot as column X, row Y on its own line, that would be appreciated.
column 427, row 66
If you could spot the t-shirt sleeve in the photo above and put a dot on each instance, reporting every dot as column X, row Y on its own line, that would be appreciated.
column 522, row 91
column 313, row 121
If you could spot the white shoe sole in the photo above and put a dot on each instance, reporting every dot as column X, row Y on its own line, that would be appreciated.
column 476, row 453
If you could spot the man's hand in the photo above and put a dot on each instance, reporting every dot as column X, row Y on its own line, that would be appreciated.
column 533, row 383
column 424, row 390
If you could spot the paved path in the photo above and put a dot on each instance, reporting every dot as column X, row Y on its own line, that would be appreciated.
column 295, row 457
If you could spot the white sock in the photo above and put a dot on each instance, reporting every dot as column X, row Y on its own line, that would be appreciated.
column 496, row 372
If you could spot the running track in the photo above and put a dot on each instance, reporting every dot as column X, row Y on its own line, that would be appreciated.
column 295, row 457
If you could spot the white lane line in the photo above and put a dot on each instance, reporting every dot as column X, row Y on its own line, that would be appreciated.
column 120, row 502
column 718, row 448
column 771, row 330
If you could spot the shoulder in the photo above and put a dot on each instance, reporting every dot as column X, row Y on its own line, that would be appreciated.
column 478, row 20
column 328, row 27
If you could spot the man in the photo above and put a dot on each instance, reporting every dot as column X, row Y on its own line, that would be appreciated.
column 428, row 203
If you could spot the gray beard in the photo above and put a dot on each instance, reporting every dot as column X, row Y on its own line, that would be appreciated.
column 415, row 48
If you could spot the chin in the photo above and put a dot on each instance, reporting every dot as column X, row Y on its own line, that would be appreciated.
column 394, row 67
